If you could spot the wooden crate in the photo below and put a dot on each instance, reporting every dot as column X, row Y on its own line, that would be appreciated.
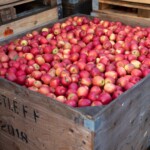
column 15, row 9
column 18, row 26
column 122, row 7
column 31, row 121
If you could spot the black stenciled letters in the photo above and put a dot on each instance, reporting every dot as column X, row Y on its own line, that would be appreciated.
column 4, row 100
column 9, row 129
column 35, row 115
column 15, row 103
column 24, row 137
column 24, row 111
column 18, row 108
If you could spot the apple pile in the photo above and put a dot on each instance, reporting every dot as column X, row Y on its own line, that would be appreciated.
column 80, row 62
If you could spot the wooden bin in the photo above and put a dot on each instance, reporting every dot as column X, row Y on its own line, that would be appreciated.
column 31, row 121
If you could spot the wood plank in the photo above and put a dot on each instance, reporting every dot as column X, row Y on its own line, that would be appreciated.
column 130, row 20
column 5, row 2
column 15, row 4
column 138, row 1
column 28, row 23
column 143, row 13
column 125, row 122
column 118, row 12
column 31, row 121
column 125, row 4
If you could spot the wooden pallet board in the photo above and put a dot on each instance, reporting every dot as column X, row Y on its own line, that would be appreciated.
column 23, row 8
column 15, row 4
column 138, row 1
column 125, row 4
column 6, row 2
column 130, row 8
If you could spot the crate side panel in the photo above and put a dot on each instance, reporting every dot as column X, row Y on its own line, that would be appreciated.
column 124, row 124
column 28, row 122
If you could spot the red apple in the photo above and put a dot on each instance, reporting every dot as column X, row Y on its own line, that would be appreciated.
column 86, row 81
column 46, row 78
column 136, row 72
column 55, row 81
column 71, row 103
column 84, row 102
column 39, row 60
column 36, row 74
column 60, row 90
column 105, row 98
column 66, row 80
column 136, row 63
column 72, row 96
column 112, row 74
column 121, row 71
column 61, row 99
column 110, row 87
column 98, row 81
column 82, row 91
column 44, row 90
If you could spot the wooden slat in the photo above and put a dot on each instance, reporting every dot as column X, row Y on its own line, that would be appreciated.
column 29, row 23
column 143, row 13
column 138, row 1
column 5, row 2
column 117, row 12
column 15, row 4
column 126, row 4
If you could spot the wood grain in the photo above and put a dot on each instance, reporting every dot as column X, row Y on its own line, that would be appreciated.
column 126, row 4
column 8, row 2
column 138, row 1
column 56, row 126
